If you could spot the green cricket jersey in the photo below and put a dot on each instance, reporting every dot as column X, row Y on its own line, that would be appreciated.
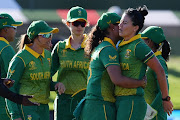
column 100, row 85
column 133, row 57
column 152, row 91
column 31, row 72
column 71, row 64
column 6, row 54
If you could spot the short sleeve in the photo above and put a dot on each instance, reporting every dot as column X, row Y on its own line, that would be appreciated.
column 109, row 56
column 143, row 52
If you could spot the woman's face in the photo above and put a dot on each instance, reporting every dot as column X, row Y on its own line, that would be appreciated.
column 126, row 27
column 77, row 27
column 45, row 41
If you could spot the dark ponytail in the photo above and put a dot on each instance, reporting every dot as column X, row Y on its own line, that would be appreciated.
column 23, row 40
column 95, row 37
column 166, row 49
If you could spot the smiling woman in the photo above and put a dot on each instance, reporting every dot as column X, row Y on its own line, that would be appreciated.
column 31, row 72
column 72, row 66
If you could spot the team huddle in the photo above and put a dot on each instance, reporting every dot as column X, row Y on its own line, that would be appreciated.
column 97, row 79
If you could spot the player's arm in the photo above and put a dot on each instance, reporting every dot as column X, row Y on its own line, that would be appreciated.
column 110, row 59
column 158, row 99
column 6, row 55
column 16, row 68
column 118, row 79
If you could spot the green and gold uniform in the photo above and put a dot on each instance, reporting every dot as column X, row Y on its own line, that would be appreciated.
column 6, row 54
column 31, row 72
column 130, row 102
column 100, row 100
column 152, row 91
column 72, row 67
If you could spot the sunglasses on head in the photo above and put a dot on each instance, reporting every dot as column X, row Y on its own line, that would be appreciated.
column 77, row 23
column 46, row 35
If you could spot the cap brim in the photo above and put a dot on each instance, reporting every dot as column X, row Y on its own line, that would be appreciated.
column 17, row 24
column 118, row 22
column 75, row 19
column 51, row 30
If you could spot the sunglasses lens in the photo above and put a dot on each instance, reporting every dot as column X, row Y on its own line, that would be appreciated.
column 77, row 23
column 46, row 35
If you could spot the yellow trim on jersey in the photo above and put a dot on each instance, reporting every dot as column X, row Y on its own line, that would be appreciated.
column 158, row 53
column 111, row 63
column 68, row 43
column 7, row 113
column 35, row 54
column 3, row 39
column 89, row 75
column 78, row 92
column 110, row 41
column 131, row 110
column 3, row 48
column 131, row 40
column 149, row 58
column 22, row 111
column 105, row 115
column 22, row 60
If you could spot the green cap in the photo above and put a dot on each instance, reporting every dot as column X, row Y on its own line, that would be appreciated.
column 39, row 27
column 76, row 13
column 108, row 18
column 154, row 33
column 6, row 20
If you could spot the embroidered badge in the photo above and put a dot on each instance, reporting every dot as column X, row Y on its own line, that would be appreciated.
column 63, row 52
column 32, row 65
column 79, row 12
column 112, row 58
column 128, row 51
column 49, row 60
column 29, row 117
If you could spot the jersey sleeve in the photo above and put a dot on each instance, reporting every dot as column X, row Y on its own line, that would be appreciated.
column 109, row 56
column 143, row 52
column 15, row 71
column 55, row 60
column 7, row 54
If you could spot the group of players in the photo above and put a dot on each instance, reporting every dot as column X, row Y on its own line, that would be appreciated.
column 95, row 79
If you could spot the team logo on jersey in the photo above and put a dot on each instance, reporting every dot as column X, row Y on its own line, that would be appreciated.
column 79, row 12
column 29, row 117
column 49, row 60
column 128, row 51
column 32, row 65
column 63, row 52
column 112, row 58
column 11, row 72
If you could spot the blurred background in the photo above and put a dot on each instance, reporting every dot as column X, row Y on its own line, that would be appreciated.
column 163, row 13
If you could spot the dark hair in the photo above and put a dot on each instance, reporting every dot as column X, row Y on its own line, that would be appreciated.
column 137, row 16
column 24, row 40
column 95, row 37
column 166, row 49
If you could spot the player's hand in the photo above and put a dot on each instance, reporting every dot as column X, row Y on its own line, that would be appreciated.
column 168, row 107
column 60, row 88
column 8, row 82
column 144, row 82
column 18, row 119
column 26, row 101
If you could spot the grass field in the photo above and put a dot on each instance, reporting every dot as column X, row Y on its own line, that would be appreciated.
column 174, row 82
